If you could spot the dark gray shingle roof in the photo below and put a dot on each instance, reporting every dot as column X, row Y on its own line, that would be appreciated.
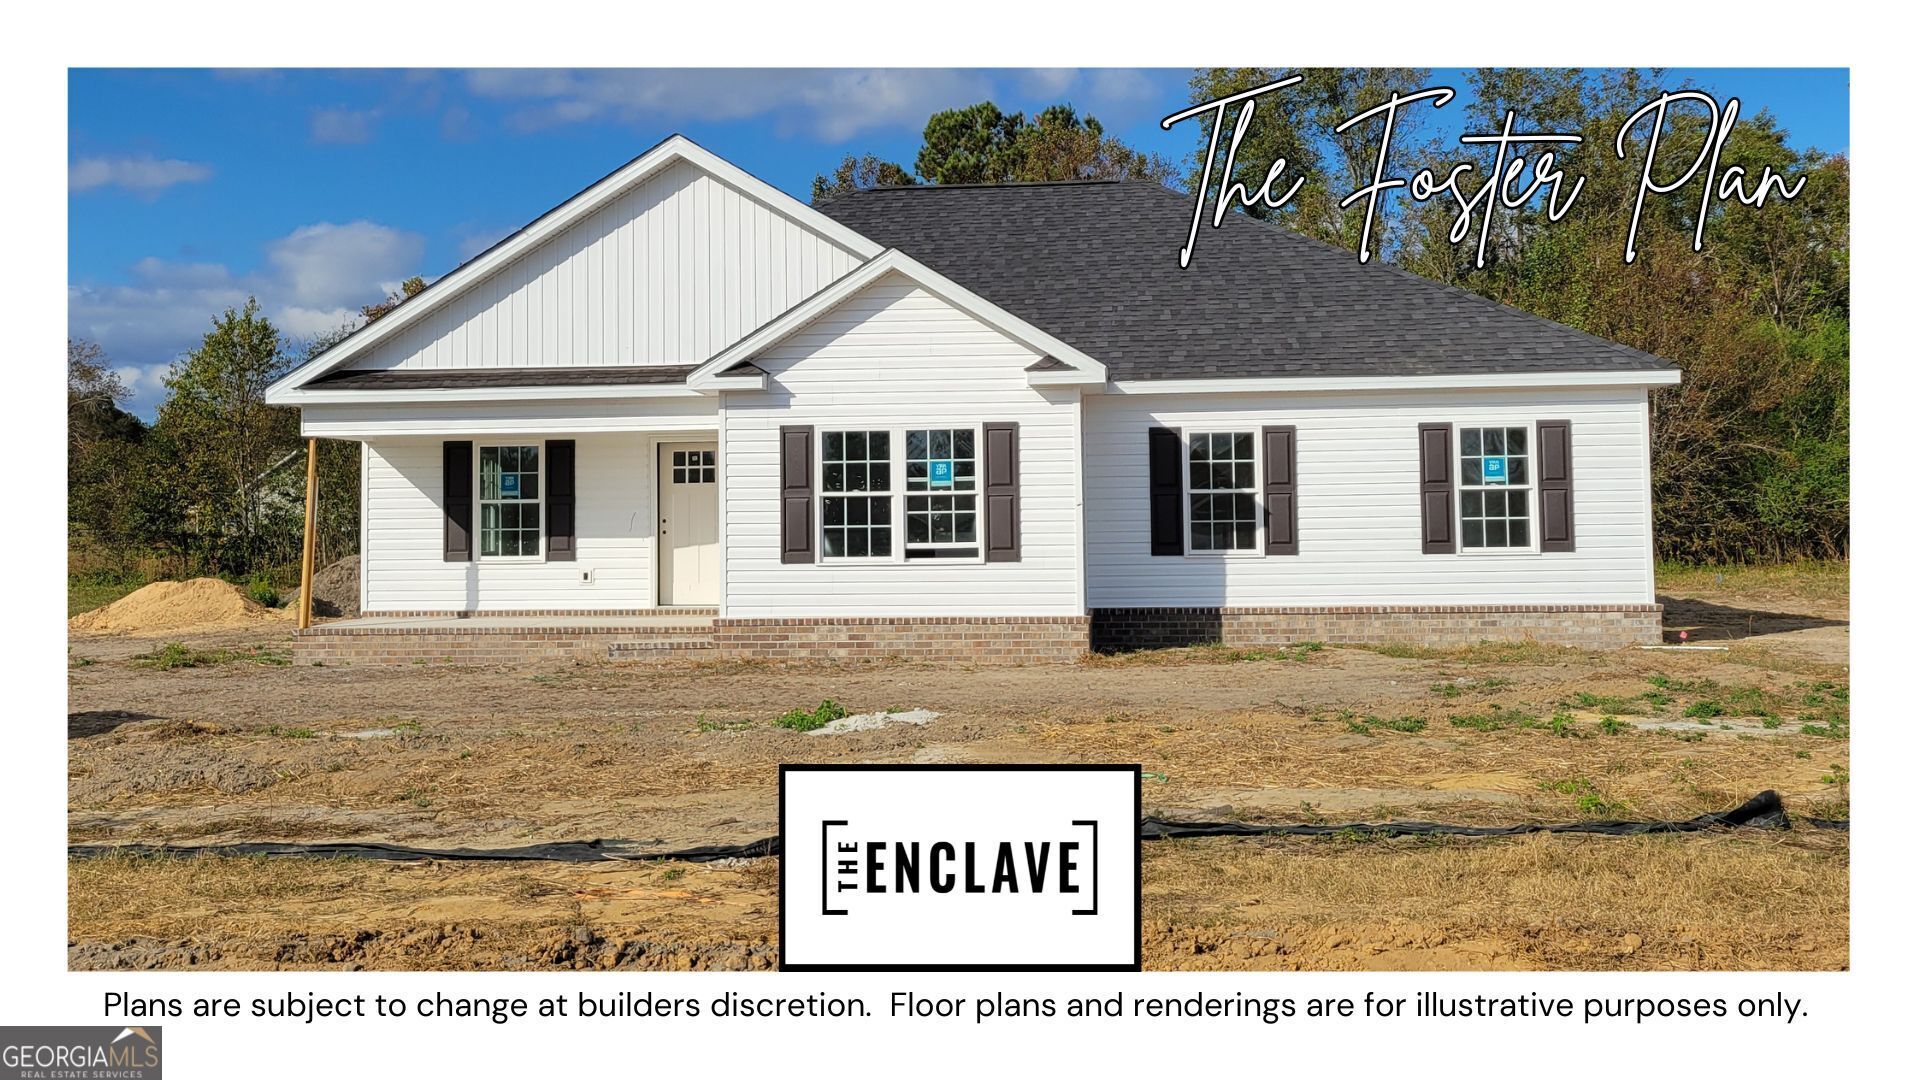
column 469, row 378
column 1097, row 265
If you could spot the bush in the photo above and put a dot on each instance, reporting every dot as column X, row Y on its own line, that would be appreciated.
column 804, row 720
column 261, row 591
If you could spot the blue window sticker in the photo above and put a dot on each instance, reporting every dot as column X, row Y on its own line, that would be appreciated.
column 940, row 474
column 1493, row 470
column 510, row 484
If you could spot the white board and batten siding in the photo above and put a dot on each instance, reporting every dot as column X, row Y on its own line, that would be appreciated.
column 671, row 271
column 1359, row 507
column 893, row 356
column 402, row 535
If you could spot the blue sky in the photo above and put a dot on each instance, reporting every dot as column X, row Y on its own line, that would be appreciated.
column 319, row 190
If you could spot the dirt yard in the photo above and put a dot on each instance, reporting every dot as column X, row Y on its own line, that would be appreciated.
column 222, row 740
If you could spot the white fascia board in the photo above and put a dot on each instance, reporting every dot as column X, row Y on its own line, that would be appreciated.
column 1321, row 384
column 674, row 148
column 1067, row 378
column 894, row 260
column 484, row 393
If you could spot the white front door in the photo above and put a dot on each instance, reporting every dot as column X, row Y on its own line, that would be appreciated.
column 689, row 525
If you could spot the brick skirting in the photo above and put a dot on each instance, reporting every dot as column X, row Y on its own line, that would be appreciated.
column 1595, row 626
column 568, row 613
column 984, row 640
column 362, row 648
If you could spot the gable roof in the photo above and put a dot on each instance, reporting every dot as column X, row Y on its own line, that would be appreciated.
column 1097, row 264
column 1060, row 362
column 674, row 148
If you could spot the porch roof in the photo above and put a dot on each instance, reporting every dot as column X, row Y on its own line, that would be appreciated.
column 479, row 378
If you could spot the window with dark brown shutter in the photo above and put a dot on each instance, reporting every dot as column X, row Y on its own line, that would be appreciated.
column 1281, row 490
column 1002, row 490
column 1436, row 489
column 456, row 501
column 1163, row 491
column 1555, row 458
column 796, row 494
column 562, row 545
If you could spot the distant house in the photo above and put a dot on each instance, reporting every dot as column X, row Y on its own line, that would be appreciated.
column 994, row 422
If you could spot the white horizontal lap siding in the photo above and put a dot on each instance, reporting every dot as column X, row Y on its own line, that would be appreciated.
column 675, row 269
column 895, row 356
column 402, row 535
column 1359, row 509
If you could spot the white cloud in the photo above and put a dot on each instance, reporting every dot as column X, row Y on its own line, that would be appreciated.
column 328, row 265
column 145, row 175
column 831, row 105
column 473, row 241
column 312, row 280
column 146, row 384
column 342, row 126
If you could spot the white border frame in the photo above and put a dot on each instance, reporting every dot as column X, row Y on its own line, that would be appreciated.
column 896, row 494
column 479, row 526
column 1259, row 547
column 1532, row 487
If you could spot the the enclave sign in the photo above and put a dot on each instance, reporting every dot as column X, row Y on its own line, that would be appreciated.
column 960, row 867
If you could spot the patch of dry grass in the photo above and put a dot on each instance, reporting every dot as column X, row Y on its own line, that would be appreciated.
column 1204, row 654
column 1484, row 652
column 1723, row 901
column 262, row 912
column 1809, row 580
column 1734, row 900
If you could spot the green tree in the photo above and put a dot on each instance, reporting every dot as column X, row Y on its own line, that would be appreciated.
column 979, row 144
column 859, row 174
column 409, row 289
column 223, row 438
column 106, row 448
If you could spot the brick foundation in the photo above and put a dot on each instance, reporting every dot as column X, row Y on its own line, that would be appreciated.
column 983, row 640
column 372, row 646
column 987, row 640
column 1593, row 626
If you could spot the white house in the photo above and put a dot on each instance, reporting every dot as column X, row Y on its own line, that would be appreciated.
column 988, row 422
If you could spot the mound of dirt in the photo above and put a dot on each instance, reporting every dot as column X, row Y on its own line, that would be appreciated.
column 199, row 604
column 336, row 589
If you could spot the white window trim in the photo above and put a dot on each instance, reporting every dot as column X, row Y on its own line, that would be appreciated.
column 897, row 493
column 1259, row 547
column 1532, row 487
column 479, row 515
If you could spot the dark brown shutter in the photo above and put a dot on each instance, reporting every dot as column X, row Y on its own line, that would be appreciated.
column 1281, row 490
column 796, row 494
column 1002, row 490
column 1555, row 466
column 456, row 501
column 562, row 545
column 1436, row 489
column 1163, row 490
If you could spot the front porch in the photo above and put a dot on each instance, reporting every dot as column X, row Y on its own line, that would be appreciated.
column 507, row 638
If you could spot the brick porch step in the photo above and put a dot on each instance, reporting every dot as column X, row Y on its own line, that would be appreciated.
column 660, row 646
